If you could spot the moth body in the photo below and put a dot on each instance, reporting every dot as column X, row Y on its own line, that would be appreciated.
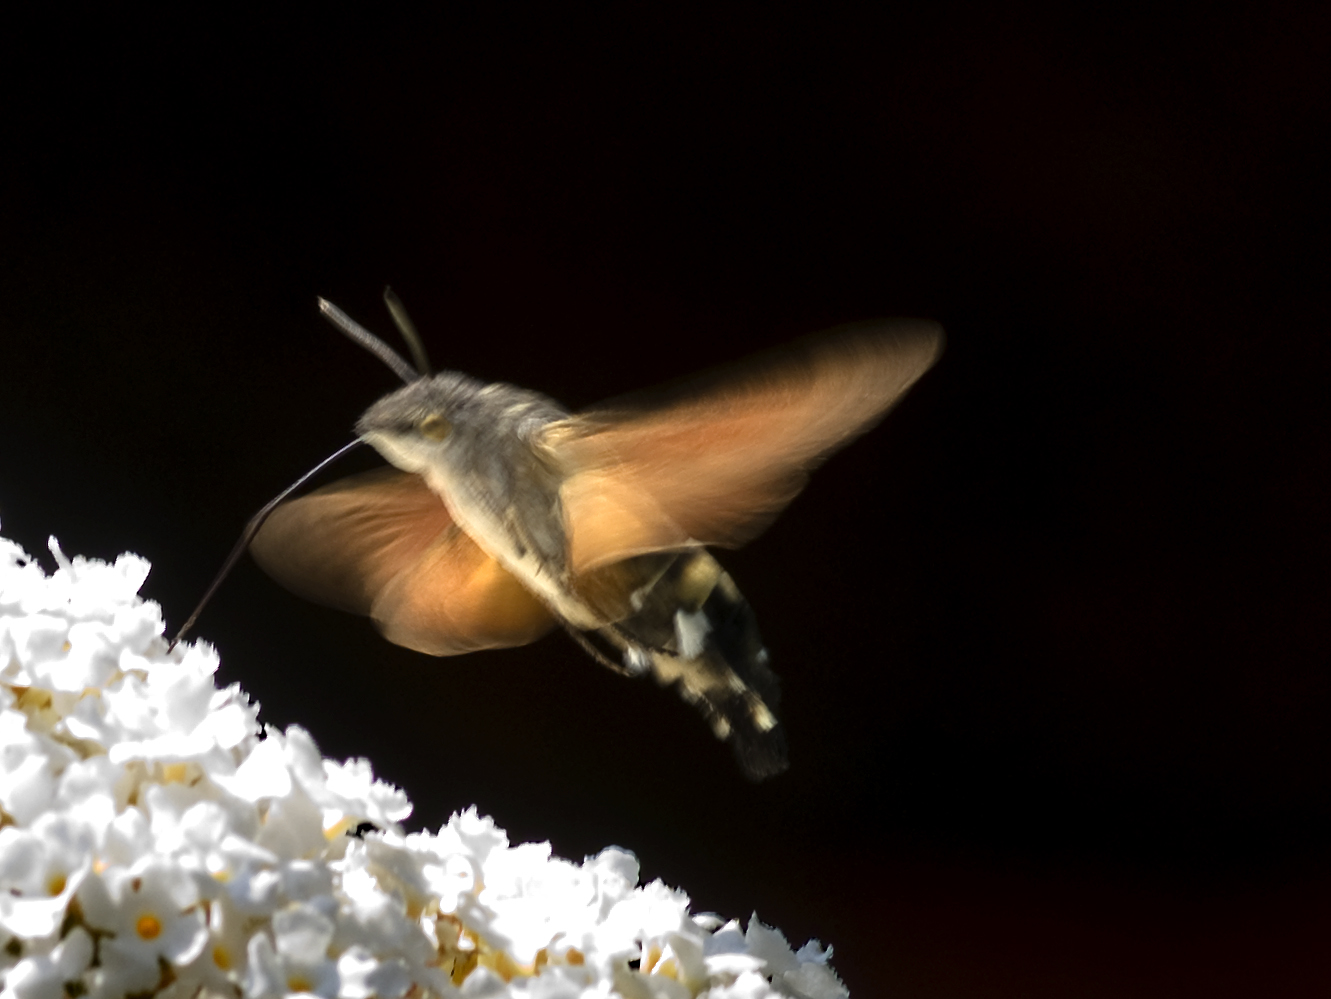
column 479, row 448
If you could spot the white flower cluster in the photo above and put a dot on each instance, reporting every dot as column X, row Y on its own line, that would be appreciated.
column 155, row 839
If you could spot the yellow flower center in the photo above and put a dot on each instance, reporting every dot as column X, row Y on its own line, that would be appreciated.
column 462, row 966
column 149, row 927
column 175, row 773
column 56, row 884
column 299, row 983
column 649, row 959
column 336, row 827
column 222, row 957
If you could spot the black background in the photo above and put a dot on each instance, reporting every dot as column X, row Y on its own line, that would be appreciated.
column 1053, row 638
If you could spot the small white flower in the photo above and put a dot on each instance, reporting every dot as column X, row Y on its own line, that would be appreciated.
column 159, row 717
column 347, row 793
column 93, row 791
column 40, row 870
column 128, row 839
column 263, row 774
column 296, row 960
column 472, row 834
column 363, row 975
column 804, row 974
column 486, row 984
column 814, row 978
column 23, row 585
column 749, row 985
column 368, row 913
column 727, row 955
column 769, row 944
column 293, row 826
column 409, row 866
column 29, row 764
column 152, row 912
column 35, row 642
column 92, row 650
column 255, row 891
column 43, row 976
column 221, row 965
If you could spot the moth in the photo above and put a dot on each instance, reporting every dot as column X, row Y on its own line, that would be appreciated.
column 501, row 514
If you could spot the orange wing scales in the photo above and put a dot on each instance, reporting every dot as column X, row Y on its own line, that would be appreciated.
column 713, row 461
column 383, row 544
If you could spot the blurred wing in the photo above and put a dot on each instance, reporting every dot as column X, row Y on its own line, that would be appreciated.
column 381, row 543
column 340, row 545
column 714, row 459
column 458, row 599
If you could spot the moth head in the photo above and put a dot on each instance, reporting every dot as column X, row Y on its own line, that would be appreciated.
column 420, row 425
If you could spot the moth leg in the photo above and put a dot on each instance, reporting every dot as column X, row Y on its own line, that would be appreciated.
column 581, row 637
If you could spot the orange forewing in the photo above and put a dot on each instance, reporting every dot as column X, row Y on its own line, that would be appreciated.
column 713, row 460
column 381, row 543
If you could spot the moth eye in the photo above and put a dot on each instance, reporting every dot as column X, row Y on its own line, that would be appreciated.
column 435, row 427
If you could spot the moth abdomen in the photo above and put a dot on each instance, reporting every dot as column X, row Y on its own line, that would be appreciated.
column 756, row 735
column 696, row 632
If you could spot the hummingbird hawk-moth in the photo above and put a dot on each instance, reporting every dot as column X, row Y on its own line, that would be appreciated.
column 502, row 514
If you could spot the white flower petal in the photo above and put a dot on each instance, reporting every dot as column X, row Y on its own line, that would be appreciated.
column 44, row 976
column 750, row 985
column 302, row 934
column 363, row 975
column 770, row 944
column 813, row 980
column 27, row 788
column 264, row 978
column 263, row 774
column 484, row 984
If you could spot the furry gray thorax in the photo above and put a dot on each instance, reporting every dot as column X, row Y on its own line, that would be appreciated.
column 482, row 461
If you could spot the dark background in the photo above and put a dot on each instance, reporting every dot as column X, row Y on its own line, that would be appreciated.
column 1053, row 639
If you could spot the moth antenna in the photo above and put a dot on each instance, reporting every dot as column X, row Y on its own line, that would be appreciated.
column 368, row 340
column 251, row 529
column 408, row 330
